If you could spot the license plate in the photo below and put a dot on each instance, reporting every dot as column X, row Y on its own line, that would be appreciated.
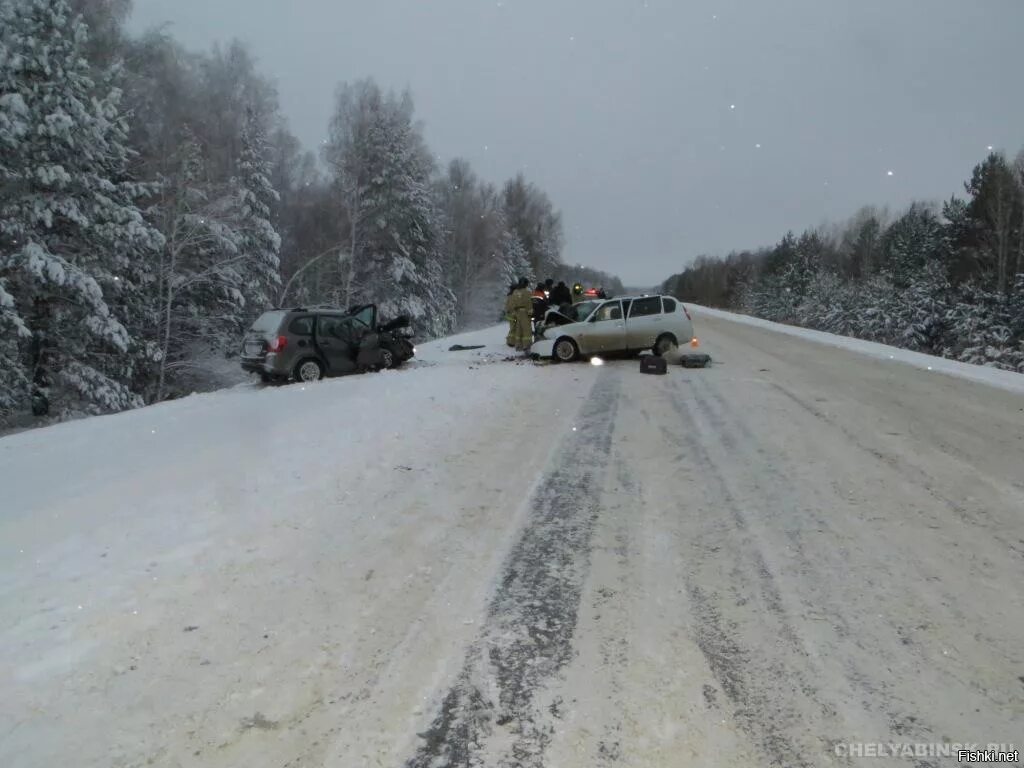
column 253, row 350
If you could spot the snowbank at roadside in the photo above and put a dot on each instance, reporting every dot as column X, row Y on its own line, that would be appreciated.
column 1007, row 380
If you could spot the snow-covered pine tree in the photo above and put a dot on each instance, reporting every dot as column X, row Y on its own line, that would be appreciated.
column 914, row 240
column 69, row 225
column 531, row 216
column 515, row 261
column 464, row 233
column 382, row 169
column 996, row 201
column 921, row 308
column 259, row 241
column 827, row 305
column 14, row 376
column 987, row 327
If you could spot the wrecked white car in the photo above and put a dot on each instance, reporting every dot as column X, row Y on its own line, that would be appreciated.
column 623, row 325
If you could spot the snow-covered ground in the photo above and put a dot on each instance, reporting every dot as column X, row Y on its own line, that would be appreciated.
column 473, row 561
column 1008, row 380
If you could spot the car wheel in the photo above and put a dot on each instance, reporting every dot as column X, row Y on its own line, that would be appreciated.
column 664, row 344
column 309, row 370
column 565, row 350
column 387, row 358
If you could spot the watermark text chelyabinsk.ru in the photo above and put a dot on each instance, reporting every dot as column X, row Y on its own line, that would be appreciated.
column 964, row 753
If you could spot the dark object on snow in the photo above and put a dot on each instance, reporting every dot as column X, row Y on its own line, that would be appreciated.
column 653, row 364
column 461, row 348
column 695, row 361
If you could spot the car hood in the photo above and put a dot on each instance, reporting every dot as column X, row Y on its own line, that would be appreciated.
column 571, row 329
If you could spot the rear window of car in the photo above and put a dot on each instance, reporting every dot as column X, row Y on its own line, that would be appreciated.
column 301, row 326
column 669, row 304
column 643, row 307
column 268, row 322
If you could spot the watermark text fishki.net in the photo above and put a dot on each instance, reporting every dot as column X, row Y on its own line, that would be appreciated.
column 967, row 752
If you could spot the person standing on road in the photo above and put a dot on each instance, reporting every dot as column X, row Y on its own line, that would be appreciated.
column 521, row 304
column 510, row 316
column 540, row 307
column 561, row 295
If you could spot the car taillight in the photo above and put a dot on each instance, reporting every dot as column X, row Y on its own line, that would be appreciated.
column 279, row 343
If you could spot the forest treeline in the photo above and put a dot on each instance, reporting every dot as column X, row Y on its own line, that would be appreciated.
column 946, row 279
column 153, row 201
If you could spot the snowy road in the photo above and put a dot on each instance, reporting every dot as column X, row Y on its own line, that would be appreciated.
column 493, row 564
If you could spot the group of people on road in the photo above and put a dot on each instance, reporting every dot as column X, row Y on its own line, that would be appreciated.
column 525, row 310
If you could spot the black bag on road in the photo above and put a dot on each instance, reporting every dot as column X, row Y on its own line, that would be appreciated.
column 653, row 364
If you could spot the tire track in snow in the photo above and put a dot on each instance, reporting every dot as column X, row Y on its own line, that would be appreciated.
column 491, row 715
column 878, row 698
column 865, row 653
column 897, row 464
column 772, row 699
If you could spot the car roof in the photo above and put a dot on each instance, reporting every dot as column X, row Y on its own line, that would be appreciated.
column 324, row 310
column 645, row 296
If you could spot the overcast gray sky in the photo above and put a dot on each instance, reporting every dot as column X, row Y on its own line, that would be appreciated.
column 662, row 129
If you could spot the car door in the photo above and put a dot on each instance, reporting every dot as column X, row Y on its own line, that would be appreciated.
column 607, row 328
column 645, row 322
column 333, row 339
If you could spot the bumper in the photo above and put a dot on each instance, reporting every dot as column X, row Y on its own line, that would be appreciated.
column 268, row 364
column 254, row 365
column 543, row 348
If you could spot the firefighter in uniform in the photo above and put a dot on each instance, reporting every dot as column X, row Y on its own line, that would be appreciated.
column 510, row 315
column 521, row 304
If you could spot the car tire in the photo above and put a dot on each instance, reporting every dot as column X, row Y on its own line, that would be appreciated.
column 565, row 350
column 388, row 359
column 309, row 370
column 664, row 343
